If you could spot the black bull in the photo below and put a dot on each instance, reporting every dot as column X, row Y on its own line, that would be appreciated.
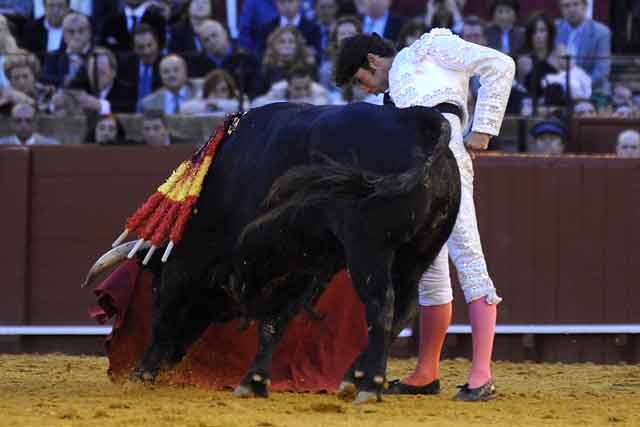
column 294, row 195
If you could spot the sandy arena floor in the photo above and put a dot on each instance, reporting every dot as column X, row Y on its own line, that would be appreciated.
column 57, row 390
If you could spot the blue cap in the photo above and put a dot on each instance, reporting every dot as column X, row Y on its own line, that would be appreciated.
column 549, row 127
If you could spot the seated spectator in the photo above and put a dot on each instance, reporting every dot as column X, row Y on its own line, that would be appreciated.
column 549, row 137
column 220, row 53
column 285, row 47
column 22, row 69
column 219, row 94
column 585, row 39
column 622, row 96
column 628, row 145
column 61, row 67
column 45, row 34
column 117, row 34
column 505, row 34
column 185, row 38
column 379, row 20
column 141, row 69
column 445, row 14
column 474, row 30
column 23, row 119
column 108, row 131
column 8, row 46
column 176, row 88
column 299, row 87
column 539, row 44
column 584, row 108
column 154, row 129
column 254, row 16
column 289, row 15
column 411, row 31
column 579, row 80
column 346, row 26
column 326, row 15
column 96, row 90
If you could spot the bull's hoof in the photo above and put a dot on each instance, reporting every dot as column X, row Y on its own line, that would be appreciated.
column 259, row 388
column 367, row 397
column 142, row 375
column 347, row 390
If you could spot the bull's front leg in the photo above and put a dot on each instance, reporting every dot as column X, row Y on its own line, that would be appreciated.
column 371, row 277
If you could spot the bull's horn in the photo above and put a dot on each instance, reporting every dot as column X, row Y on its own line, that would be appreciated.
column 107, row 260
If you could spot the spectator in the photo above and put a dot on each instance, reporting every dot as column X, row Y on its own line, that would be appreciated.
column 445, row 14
column 61, row 67
column 289, row 15
column 539, row 44
column 346, row 26
column 108, row 131
column 185, row 37
column 505, row 34
column 549, row 137
column 285, row 47
column 379, row 20
column 154, row 129
column 118, row 28
column 623, row 112
column 411, row 31
column 628, row 145
column 622, row 96
column 141, row 70
column 101, row 93
column 255, row 15
column 22, row 70
column 176, row 88
column 474, row 30
column 21, row 8
column 584, row 108
column 8, row 46
column 219, row 94
column 586, row 39
column 299, row 87
column 220, row 53
column 579, row 80
column 45, row 34
column 326, row 15
column 23, row 117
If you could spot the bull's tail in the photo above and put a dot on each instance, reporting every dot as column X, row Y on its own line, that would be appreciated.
column 328, row 180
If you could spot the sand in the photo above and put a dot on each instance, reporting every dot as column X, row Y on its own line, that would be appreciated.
column 59, row 390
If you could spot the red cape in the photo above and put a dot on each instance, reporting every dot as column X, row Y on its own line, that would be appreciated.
column 312, row 356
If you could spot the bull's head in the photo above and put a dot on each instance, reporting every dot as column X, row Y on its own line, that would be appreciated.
column 111, row 258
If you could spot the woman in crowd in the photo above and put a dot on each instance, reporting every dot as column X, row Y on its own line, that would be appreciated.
column 346, row 26
column 219, row 94
column 536, row 60
column 22, row 69
column 108, row 131
column 285, row 47
column 8, row 46
column 445, row 14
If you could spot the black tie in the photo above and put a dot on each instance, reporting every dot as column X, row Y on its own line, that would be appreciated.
column 386, row 100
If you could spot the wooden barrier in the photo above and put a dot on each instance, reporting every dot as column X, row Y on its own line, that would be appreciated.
column 560, row 235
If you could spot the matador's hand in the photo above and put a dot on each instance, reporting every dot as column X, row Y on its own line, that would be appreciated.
column 476, row 142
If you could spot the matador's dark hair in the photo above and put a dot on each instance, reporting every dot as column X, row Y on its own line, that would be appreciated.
column 352, row 54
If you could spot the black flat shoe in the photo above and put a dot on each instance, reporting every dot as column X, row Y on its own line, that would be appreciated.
column 396, row 387
column 486, row 391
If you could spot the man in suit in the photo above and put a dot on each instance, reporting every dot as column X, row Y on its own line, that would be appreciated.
column 175, row 90
column 46, row 34
column 118, row 28
column 141, row 69
column 154, row 129
column 379, row 20
column 219, row 52
column 587, row 40
column 184, row 38
column 504, row 34
column 289, row 14
column 62, row 66
column 23, row 124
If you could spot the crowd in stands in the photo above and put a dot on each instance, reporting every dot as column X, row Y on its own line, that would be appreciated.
column 102, row 58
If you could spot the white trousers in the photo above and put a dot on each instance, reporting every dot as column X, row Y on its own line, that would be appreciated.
column 463, row 246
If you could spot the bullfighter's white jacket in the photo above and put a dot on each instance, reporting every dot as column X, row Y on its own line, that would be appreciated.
column 436, row 68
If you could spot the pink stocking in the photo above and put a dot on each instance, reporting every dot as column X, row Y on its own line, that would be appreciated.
column 483, row 328
column 434, row 322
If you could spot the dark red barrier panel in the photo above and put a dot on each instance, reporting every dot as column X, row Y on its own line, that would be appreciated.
column 80, row 198
column 14, row 208
column 598, row 135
